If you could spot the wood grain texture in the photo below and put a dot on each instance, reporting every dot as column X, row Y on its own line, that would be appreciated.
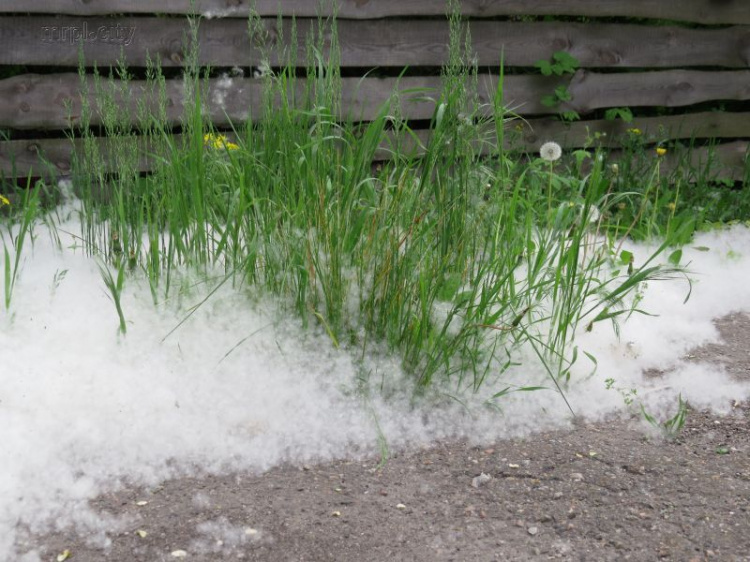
column 53, row 157
column 669, row 88
column 699, row 11
column 532, row 133
column 51, row 40
column 33, row 101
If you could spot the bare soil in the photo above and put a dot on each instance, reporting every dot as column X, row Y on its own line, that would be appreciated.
column 605, row 491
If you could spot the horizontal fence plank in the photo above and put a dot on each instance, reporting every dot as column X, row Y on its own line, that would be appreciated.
column 725, row 161
column 54, row 41
column 532, row 133
column 34, row 101
column 52, row 158
column 699, row 11
column 669, row 88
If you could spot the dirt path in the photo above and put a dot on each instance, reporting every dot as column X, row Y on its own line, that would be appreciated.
column 598, row 492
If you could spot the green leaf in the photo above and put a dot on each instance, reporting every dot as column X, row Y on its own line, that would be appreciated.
column 563, row 94
column 702, row 248
column 675, row 257
column 580, row 156
column 619, row 112
column 549, row 101
column 449, row 287
column 626, row 257
column 544, row 67
column 722, row 450
column 565, row 61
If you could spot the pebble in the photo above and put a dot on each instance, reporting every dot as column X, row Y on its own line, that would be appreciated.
column 481, row 479
column 400, row 506
column 557, row 495
column 179, row 554
column 576, row 476
column 533, row 530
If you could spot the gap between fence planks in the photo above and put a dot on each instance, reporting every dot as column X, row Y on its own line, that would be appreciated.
column 34, row 101
column 699, row 11
column 53, row 40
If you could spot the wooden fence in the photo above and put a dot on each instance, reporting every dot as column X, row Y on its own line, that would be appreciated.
column 691, row 57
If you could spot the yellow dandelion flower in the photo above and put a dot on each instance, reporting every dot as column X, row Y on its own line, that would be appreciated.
column 212, row 140
column 4, row 200
column 634, row 131
column 661, row 151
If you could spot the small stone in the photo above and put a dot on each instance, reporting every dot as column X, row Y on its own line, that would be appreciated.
column 251, row 532
column 557, row 495
column 141, row 533
column 400, row 506
column 141, row 503
column 513, row 465
column 576, row 476
column 336, row 514
column 178, row 554
column 533, row 530
column 481, row 479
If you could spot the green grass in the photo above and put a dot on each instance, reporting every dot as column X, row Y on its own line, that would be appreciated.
column 456, row 262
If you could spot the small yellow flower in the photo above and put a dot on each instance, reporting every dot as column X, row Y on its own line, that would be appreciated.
column 4, row 200
column 634, row 131
column 661, row 151
column 218, row 141
column 671, row 206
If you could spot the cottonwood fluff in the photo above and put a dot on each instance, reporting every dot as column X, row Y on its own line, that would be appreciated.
column 82, row 407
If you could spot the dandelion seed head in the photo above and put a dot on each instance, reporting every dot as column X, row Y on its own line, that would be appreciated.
column 550, row 151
